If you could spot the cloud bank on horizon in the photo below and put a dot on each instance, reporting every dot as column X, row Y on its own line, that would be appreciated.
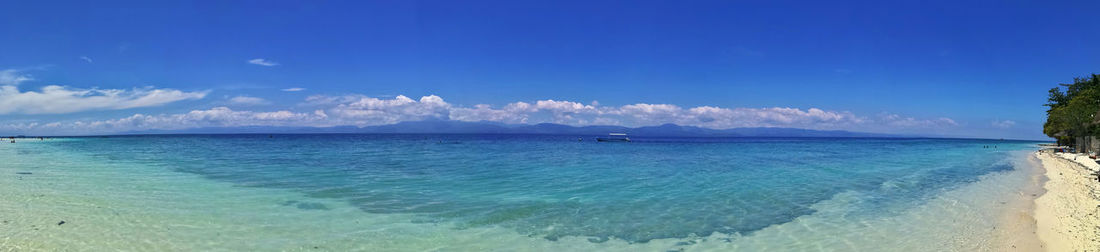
column 359, row 110
column 362, row 110
column 61, row 110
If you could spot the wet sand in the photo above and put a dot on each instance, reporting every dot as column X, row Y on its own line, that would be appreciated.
column 1017, row 228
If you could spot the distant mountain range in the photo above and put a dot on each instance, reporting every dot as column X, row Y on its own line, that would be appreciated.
column 459, row 127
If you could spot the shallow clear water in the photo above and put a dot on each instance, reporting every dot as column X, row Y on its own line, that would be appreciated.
column 528, row 192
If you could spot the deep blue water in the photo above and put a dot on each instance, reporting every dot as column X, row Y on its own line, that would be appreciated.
column 557, row 186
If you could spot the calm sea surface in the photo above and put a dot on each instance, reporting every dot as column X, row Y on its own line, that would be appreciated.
column 506, row 192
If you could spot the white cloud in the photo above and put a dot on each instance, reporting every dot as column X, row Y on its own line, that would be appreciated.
column 484, row 112
column 262, row 62
column 374, row 111
column 214, row 117
column 54, row 99
column 643, row 114
column 325, row 100
column 360, row 110
column 248, row 100
column 13, row 77
column 722, row 118
column 85, row 58
column 909, row 122
column 294, row 89
column 1004, row 124
column 59, row 99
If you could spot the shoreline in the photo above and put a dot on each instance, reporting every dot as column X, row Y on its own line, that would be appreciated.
column 1016, row 227
column 1067, row 214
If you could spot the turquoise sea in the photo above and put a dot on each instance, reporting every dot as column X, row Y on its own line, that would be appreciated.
column 506, row 192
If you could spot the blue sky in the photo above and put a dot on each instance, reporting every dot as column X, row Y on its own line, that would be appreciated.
column 945, row 68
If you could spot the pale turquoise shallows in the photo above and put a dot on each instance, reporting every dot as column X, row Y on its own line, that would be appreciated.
column 504, row 192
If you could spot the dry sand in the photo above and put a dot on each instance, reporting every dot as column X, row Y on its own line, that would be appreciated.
column 1067, row 215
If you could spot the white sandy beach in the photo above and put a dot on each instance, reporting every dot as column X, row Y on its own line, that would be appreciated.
column 1068, row 214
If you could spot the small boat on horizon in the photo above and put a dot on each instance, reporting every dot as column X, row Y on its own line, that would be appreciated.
column 614, row 137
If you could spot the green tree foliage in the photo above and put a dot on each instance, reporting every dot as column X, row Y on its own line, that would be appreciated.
column 1072, row 113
